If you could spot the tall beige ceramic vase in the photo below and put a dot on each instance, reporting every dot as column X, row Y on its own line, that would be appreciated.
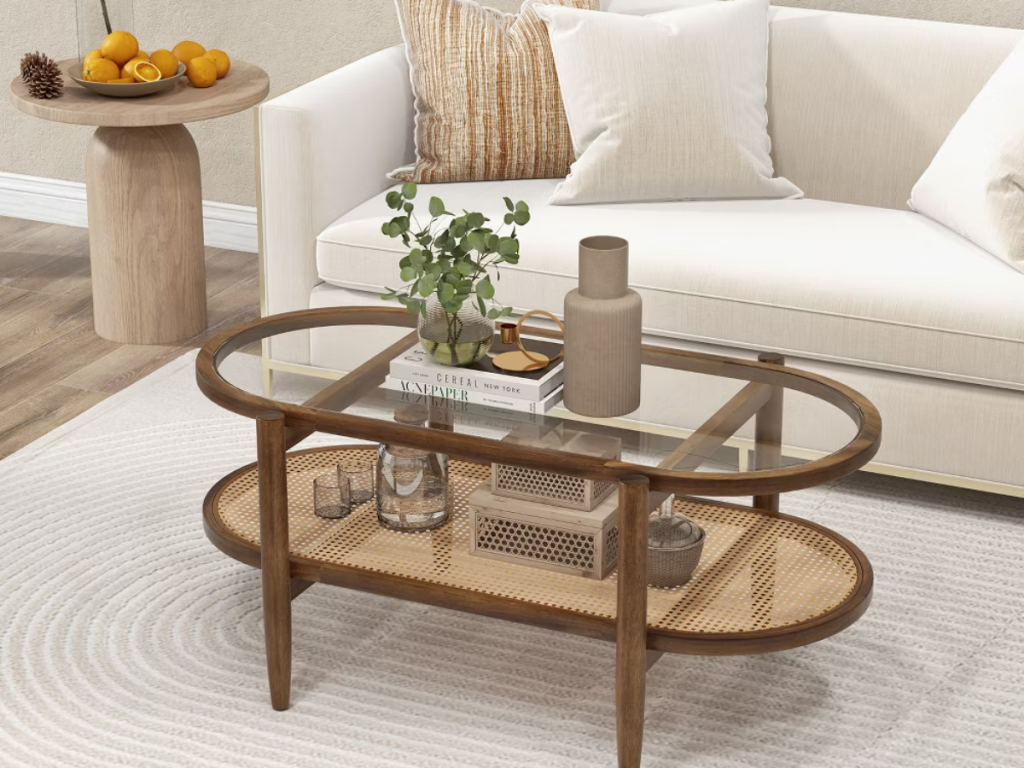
column 602, row 333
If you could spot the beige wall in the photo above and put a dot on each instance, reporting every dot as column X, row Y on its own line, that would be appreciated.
column 295, row 41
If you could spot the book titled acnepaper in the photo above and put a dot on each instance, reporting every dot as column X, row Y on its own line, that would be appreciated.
column 476, row 398
column 483, row 376
column 466, row 415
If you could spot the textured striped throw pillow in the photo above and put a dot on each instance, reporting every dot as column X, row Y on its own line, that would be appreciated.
column 487, row 100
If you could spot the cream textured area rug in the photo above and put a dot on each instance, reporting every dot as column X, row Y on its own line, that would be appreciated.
column 126, row 639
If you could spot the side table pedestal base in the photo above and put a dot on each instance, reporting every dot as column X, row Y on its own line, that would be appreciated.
column 146, row 234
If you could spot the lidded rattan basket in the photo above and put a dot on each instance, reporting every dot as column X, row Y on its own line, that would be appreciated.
column 553, row 487
column 674, row 546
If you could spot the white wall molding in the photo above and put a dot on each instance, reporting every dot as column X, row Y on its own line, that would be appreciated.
column 55, row 201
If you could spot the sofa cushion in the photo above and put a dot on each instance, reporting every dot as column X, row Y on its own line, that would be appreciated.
column 829, row 281
column 707, row 141
column 975, row 184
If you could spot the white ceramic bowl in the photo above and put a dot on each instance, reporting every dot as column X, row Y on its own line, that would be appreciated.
column 125, row 90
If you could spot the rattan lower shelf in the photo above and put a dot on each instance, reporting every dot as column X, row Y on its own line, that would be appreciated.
column 760, row 575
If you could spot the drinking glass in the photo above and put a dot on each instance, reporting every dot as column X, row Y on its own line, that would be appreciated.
column 332, row 499
column 360, row 482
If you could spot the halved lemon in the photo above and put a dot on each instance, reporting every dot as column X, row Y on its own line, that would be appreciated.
column 147, row 72
column 122, row 80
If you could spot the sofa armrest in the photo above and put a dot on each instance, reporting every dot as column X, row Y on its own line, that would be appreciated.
column 324, row 148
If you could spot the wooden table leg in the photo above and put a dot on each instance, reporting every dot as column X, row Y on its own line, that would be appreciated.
column 631, row 622
column 275, row 564
column 768, row 434
column 146, row 234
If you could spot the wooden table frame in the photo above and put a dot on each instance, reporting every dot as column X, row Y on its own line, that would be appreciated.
column 281, row 426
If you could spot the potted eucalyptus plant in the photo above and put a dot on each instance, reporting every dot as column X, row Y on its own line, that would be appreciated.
column 450, row 271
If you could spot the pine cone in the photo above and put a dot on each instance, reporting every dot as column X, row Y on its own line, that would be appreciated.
column 30, row 62
column 42, row 75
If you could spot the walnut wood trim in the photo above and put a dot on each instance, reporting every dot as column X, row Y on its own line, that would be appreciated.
column 768, row 435
column 711, row 435
column 274, row 559
column 854, row 455
column 353, row 385
column 692, row 643
column 631, row 623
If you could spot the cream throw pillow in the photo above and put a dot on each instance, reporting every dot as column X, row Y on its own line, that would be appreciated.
column 487, row 100
column 975, row 184
column 666, row 107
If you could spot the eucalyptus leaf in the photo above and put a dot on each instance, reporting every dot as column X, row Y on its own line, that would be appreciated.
column 409, row 190
column 493, row 314
column 475, row 220
column 465, row 267
column 521, row 217
column 484, row 289
column 477, row 241
column 508, row 204
column 408, row 207
column 394, row 200
column 509, row 218
column 408, row 274
column 426, row 285
column 446, row 292
column 481, row 306
column 521, row 206
column 436, row 206
column 506, row 312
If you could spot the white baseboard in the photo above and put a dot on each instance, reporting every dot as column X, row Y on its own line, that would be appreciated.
column 54, row 201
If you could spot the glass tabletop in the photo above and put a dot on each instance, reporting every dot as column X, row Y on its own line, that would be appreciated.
column 698, row 413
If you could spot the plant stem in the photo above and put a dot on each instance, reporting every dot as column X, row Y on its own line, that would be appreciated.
column 106, row 16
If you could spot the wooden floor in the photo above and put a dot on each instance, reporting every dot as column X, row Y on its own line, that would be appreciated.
column 52, row 365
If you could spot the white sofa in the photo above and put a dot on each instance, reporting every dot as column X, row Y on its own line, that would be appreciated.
column 847, row 282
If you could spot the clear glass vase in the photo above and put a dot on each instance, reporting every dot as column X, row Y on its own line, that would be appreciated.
column 412, row 484
column 455, row 339
column 98, row 18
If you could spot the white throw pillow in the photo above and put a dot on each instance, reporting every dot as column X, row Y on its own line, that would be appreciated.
column 975, row 184
column 666, row 107
column 644, row 7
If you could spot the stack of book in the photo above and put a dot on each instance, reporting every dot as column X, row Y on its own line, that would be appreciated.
column 480, row 384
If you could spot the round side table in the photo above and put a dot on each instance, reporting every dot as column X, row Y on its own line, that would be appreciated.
column 145, row 199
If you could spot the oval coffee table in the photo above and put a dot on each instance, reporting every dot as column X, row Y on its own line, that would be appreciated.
column 766, row 581
column 145, row 200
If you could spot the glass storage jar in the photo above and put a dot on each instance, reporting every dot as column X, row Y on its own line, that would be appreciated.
column 412, row 484
column 98, row 18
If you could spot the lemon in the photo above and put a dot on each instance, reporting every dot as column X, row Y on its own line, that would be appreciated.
column 186, row 50
column 101, row 71
column 165, row 61
column 147, row 72
column 120, row 47
column 91, row 56
column 202, row 72
column 221, row 60
column 122, row 80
